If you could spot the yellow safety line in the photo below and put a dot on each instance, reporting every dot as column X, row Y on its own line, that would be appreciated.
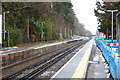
column 33, row 47
column 80, row 71
column 38, row 46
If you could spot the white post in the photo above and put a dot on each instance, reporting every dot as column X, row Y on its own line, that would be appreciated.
column 0, row 31
column 65, row 32
column 42, row 32
column 8, row 39
column 4, row 24
column 112, row 25
column 28, row 29
column 61, row 33
column 71, row 33
column 41, row 35
column 68, row 33
column 51, row 33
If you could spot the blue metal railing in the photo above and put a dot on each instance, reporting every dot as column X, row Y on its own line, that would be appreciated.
column 111, row 54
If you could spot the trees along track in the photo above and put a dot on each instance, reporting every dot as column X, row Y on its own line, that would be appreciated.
column 32, row 71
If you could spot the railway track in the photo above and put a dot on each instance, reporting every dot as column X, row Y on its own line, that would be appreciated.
column 19, row 65
column 32, row 71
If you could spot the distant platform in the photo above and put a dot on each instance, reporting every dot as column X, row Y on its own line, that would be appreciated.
column 10, row 50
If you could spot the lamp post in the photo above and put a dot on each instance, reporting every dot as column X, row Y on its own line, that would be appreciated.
column 112, row 20
column 4, row 21
column 0, row 31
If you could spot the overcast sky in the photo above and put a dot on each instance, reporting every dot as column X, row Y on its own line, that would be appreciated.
column 84, row 10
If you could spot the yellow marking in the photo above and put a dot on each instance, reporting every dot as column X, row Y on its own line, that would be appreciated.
column 33, row 47
column 37, row 46
column 45, row 45
column 80, row 71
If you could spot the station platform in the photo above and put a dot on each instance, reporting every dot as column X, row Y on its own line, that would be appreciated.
column 15, row 49
column 78, row 67
column 97, row 67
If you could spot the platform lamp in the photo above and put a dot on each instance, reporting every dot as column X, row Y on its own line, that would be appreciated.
column 112, row 11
